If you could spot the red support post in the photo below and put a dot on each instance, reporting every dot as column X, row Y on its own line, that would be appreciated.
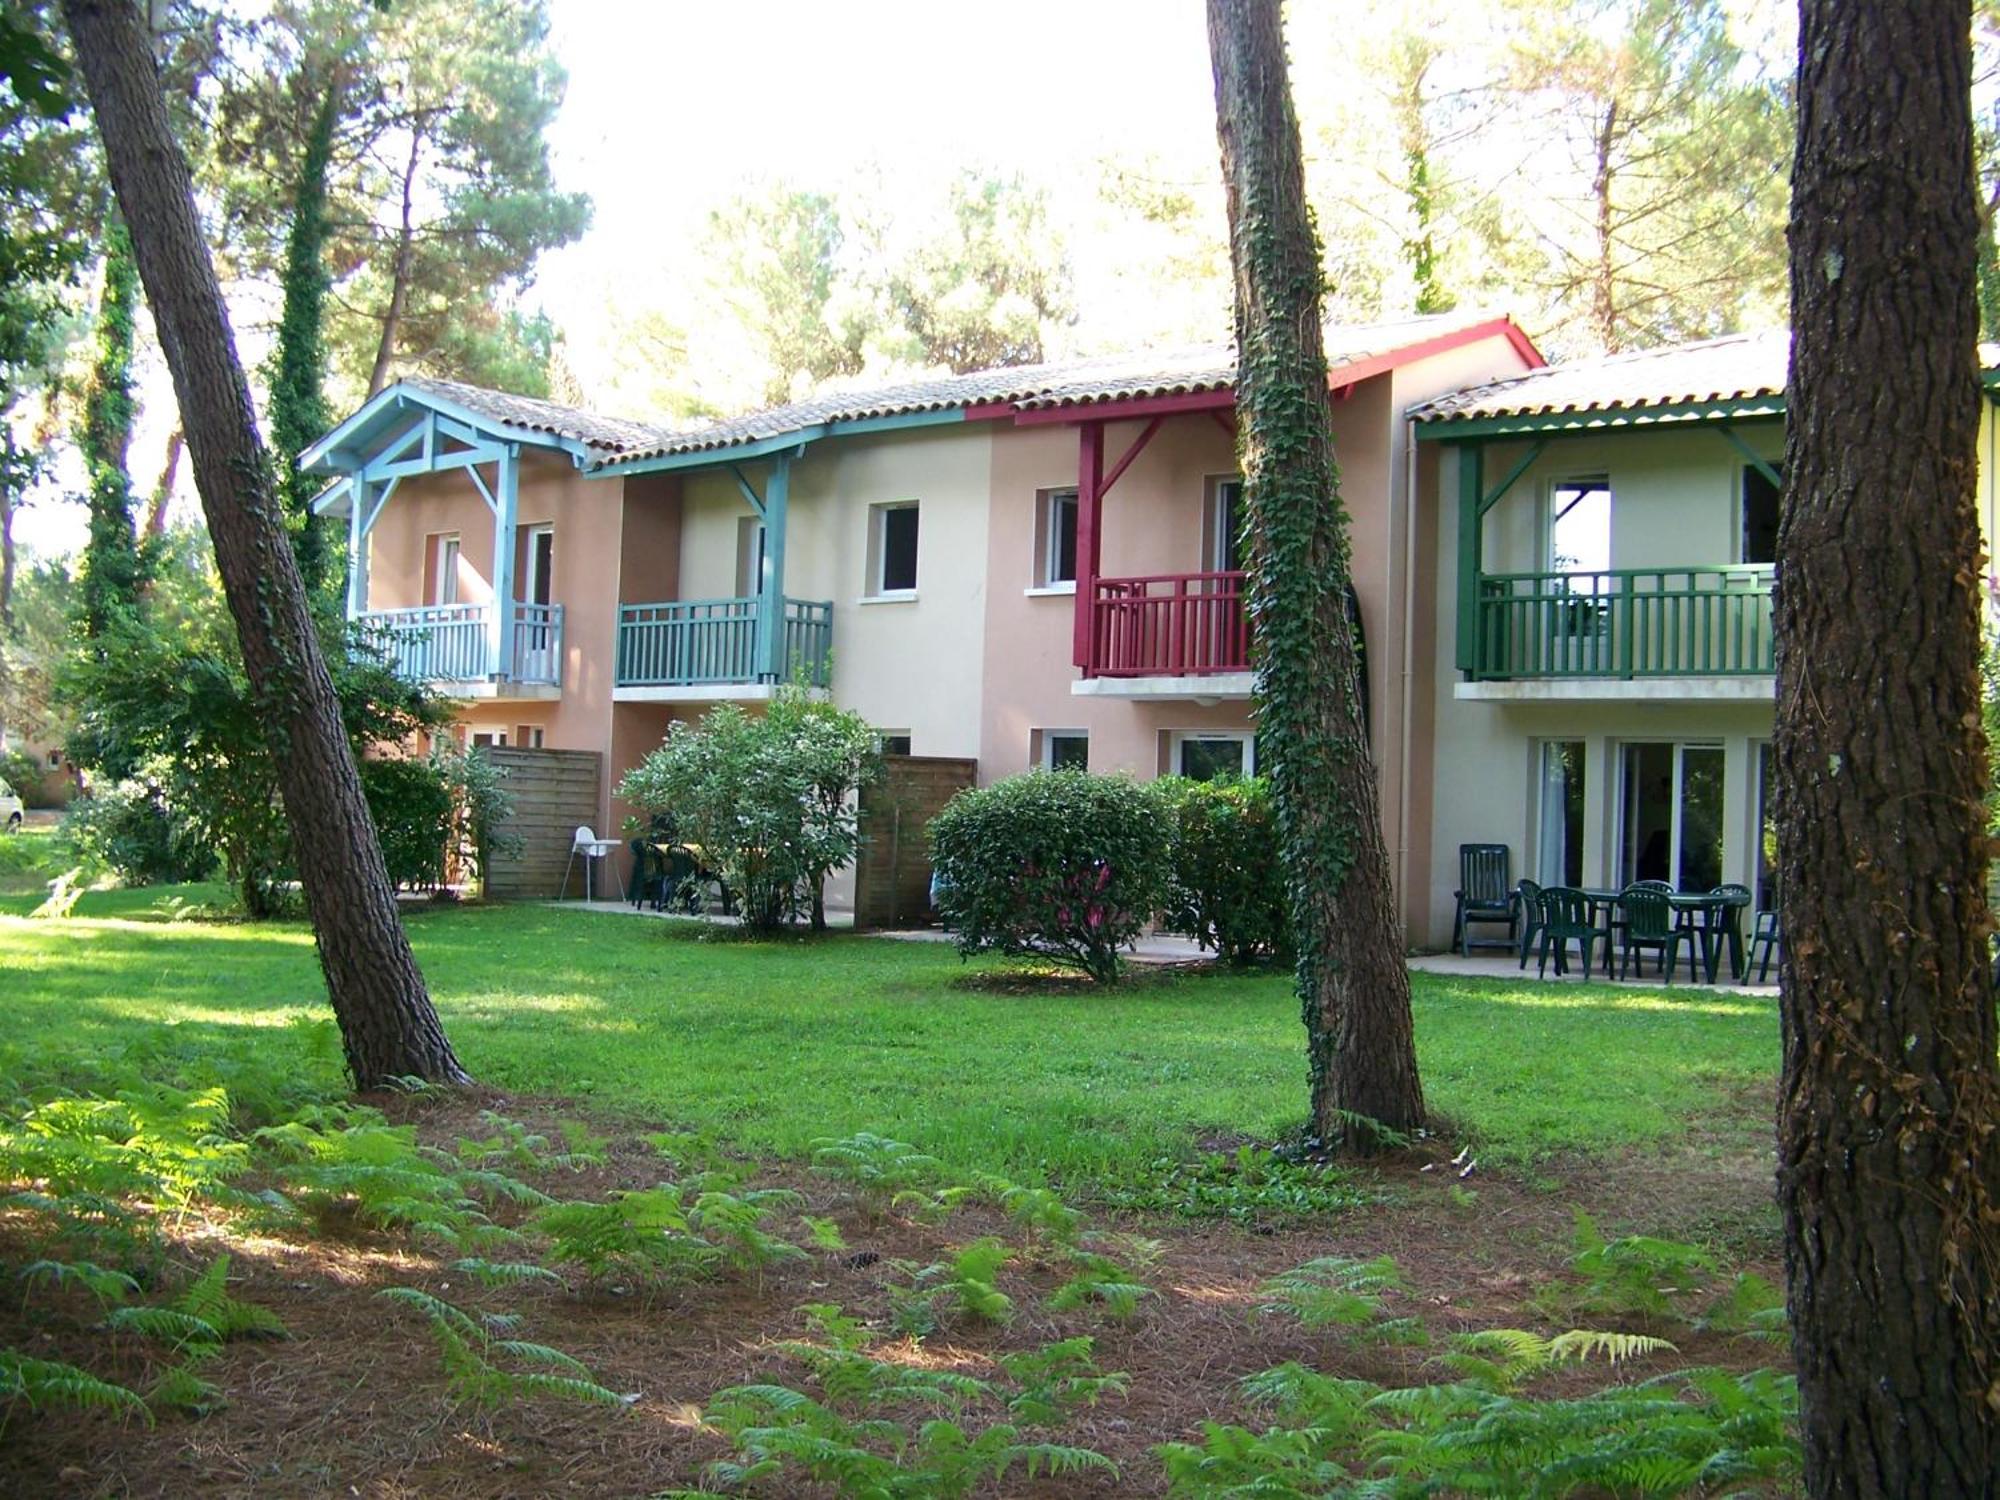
column 1089, row 545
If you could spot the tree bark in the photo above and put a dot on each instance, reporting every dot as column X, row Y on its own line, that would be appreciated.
column 8, row 472
column 1353, row 984
column 163, row 492
column 399, row 275
column 1889, row 1111
column 387, row 1022
column 1604, row 287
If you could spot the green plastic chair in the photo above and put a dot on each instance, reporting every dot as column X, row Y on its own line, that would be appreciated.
column 1649, row 923
column 1566, row 920
column 1528, row 897
column 1485, row 895
column 1767, row 937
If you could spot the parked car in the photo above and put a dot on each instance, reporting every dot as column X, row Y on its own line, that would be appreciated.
column 11, row 809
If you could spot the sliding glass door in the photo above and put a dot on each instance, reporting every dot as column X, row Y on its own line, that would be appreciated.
column 1671, row 823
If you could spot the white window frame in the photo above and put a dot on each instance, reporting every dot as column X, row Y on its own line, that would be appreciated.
column 1540, row 804
column 1549, row 518
column 1215, row 537
column 1179, row 737
column 531, row 568
column 1045, row 758
column 878, row 550
column 495, row 739
column 1621, row 839
column 445, row 570
column 750, row 536
column 1048, row 540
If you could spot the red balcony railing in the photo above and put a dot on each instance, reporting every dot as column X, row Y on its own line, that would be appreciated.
column 1172, row 625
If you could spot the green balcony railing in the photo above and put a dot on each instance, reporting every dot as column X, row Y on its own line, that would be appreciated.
column 713, row 642
column 1625, row 623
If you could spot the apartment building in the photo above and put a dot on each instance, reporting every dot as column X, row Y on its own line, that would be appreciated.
column 1026, row 567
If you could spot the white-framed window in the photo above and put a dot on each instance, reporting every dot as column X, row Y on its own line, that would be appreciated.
column 1222, row 526
column 892, row 549
column 1757, row 535
column 894, row 741
column 1055, row 538
column 528, row 736
column 443, row 568
column 1205, row 754
column 538, row 564
column 1579, row 525
column 749, row 557
column 1061, row 749
column 496, row 738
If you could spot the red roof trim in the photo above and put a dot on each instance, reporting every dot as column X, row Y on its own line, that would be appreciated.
column 1341, row 379
column 1131, row 406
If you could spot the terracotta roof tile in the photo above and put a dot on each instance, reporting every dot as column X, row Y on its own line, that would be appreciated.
column 1744, row 366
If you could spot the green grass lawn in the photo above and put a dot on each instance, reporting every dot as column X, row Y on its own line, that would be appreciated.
column 769, row 1045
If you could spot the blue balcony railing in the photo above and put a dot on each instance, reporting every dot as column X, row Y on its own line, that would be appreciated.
column 714, row 643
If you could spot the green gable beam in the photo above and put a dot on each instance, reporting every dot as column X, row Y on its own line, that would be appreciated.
column 1527, row 461
column 1616, row 419
column 1757, row 460
column 750, row 494
column 1470, row 527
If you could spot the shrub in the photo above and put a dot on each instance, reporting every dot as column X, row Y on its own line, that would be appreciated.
column 413, row 806
column 770, row 798
column 1061, row 865
column 130, row 829
column 1227, row 886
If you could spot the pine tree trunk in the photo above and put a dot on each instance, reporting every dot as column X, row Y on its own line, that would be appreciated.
column 1889, row 1112
column 1353, row 983
column 386, row 1019
column 399, row 274
column 163, row 492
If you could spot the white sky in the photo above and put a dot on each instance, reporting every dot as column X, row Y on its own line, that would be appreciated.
column 674, row 104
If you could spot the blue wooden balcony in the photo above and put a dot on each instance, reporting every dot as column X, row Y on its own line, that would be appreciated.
column 1624, row 623
column 452, row 646
column 714, row 644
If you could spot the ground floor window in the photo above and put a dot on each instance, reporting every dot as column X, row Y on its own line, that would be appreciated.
column 1062, row 750
column 1206, row 756
column 1559, row 814
column 895, row 741
column 528, row 736
column 1671, row 814
column 490, row 737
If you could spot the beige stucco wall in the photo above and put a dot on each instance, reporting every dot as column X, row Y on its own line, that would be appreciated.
column 910, row 665
column 1675, row 501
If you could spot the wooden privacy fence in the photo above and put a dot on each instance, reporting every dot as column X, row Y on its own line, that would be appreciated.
column 892, row 876
column 553, row 791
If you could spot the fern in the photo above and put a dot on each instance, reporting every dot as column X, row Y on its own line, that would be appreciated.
column 1639, row 1274
column 825, row 1233
column 208, row 1299
column 879, row 1168
column 733, row 1223
column 503, row 1273
column 645, row 1235
column 1055, row 1380
column 1098, row 1278
column 1042, row 1213
column 380, row 1174
column 106, row 1285
column 1335, row 1292
column 1751, row 1307
column 43, row 1384
column 488, row 1372
column 1504, row 1359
